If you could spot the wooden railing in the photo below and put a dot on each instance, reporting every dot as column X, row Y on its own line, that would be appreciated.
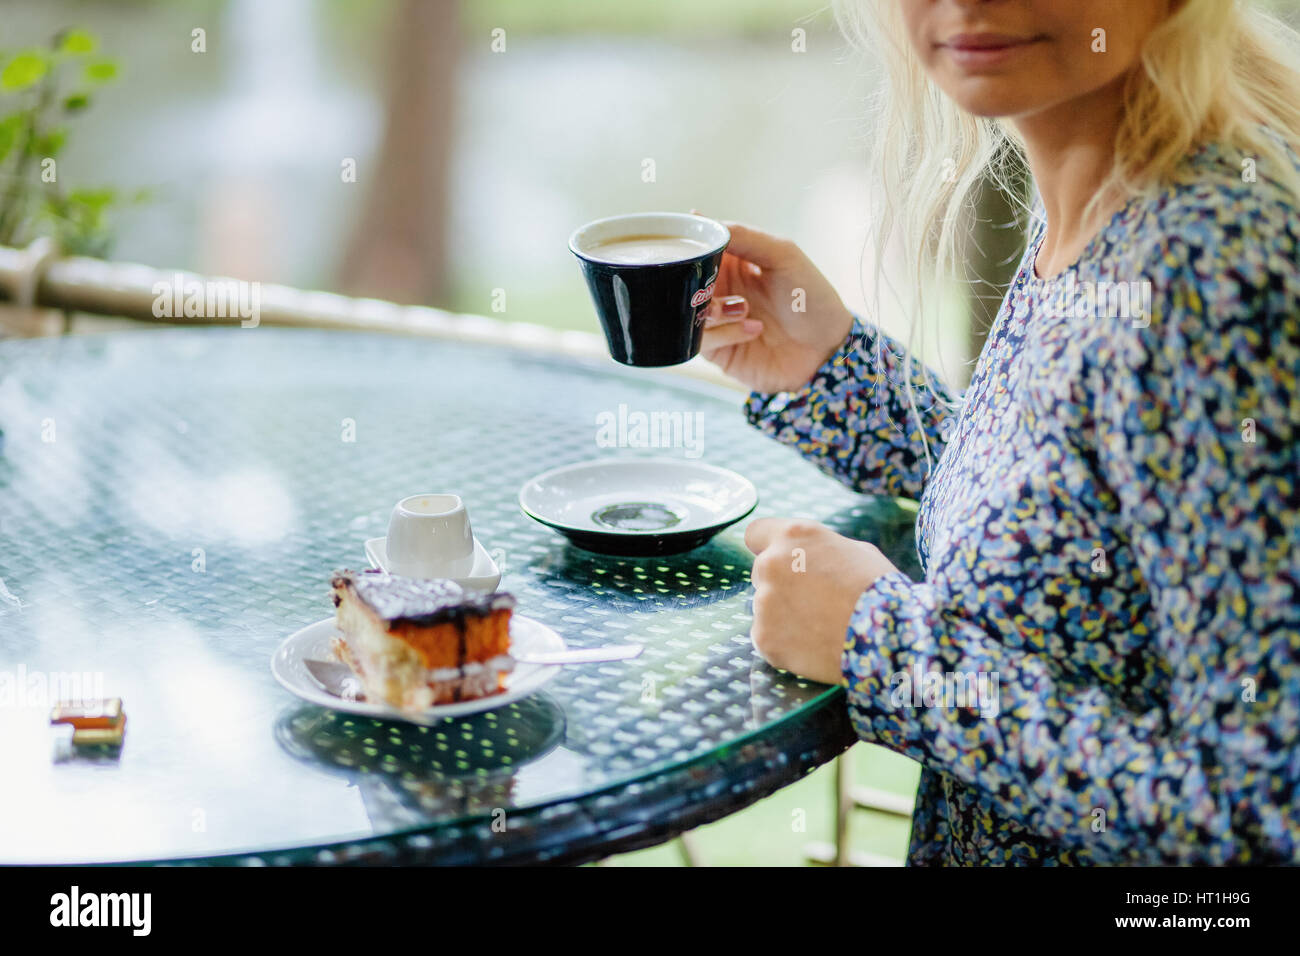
column 37, row 278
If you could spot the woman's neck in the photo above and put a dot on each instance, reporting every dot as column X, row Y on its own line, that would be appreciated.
column 1071, row 151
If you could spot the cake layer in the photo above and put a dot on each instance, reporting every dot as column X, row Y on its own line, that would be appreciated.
column 415, row 643
column 445, row 625
column 399, row 600
column 443, row 685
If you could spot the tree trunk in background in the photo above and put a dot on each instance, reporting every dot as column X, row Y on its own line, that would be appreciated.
column 997, row 241
column 398, row 248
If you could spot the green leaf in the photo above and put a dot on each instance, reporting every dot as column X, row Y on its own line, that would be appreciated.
column 78, row 42
column 76, row 103
column 50, row 142
column 23, row 71
column 10, row 127
column 94, row 200
column 101, row 72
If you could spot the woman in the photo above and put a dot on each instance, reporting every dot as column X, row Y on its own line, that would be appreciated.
column 1108, row 521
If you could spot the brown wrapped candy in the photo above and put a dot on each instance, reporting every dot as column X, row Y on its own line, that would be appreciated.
column 93, row 722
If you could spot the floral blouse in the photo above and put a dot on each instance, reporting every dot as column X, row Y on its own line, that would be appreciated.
column 1102, row 662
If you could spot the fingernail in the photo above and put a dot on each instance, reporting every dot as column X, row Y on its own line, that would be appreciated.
column 752, row 325
column 733, row 305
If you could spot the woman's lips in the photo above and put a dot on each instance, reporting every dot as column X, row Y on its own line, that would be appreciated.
column 974, row 51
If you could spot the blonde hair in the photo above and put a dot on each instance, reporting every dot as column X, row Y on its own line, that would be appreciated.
column 1213, row 71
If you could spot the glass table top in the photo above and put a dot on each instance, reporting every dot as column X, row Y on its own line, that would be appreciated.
column 172, row 504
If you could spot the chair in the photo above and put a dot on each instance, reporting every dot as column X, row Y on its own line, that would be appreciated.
column 850, row 797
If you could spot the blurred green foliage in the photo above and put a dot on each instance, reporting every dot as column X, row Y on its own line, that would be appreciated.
column 41, row 90
column 577, row 17
column 766, row 834
column 642, row 16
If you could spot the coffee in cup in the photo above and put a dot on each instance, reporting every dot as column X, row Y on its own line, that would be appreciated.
column 649, row 250
column 651, row 278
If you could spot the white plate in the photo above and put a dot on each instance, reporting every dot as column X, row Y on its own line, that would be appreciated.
column 638, row 506
column 313, row 643
column 484, row 576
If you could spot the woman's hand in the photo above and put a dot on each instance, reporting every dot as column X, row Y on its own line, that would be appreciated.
column 774, row 319
column 807, row 580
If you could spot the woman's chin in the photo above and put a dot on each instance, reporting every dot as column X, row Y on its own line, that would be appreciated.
column 991, row 100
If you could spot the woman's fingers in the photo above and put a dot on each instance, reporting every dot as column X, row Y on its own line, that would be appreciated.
column 733, row 333
column 759, row 249
column 726, row 309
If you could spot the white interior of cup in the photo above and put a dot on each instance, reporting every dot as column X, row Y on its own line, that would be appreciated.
column 429, row 504
column 680, row 224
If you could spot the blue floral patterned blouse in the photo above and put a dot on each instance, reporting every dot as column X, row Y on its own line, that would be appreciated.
column 1102, row 663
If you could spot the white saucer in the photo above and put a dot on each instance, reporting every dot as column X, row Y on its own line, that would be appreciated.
column 638, row 506
column 313, row 643
column 484, row 576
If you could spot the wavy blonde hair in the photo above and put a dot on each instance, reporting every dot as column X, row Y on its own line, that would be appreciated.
column 1218, row 71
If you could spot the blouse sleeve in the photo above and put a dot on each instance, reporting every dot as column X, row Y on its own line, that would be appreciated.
column 854, row 420
column 1196, row 420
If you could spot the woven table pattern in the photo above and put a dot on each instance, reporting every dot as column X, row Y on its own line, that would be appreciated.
column 172, row 504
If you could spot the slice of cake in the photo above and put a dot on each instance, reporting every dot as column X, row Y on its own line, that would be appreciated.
column 415, row 643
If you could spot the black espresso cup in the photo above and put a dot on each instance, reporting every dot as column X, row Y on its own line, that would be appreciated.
column 651, row 277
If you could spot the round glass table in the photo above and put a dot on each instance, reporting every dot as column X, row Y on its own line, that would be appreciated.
column 172, row 503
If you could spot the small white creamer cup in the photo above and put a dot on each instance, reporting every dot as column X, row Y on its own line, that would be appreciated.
column 429, row 536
